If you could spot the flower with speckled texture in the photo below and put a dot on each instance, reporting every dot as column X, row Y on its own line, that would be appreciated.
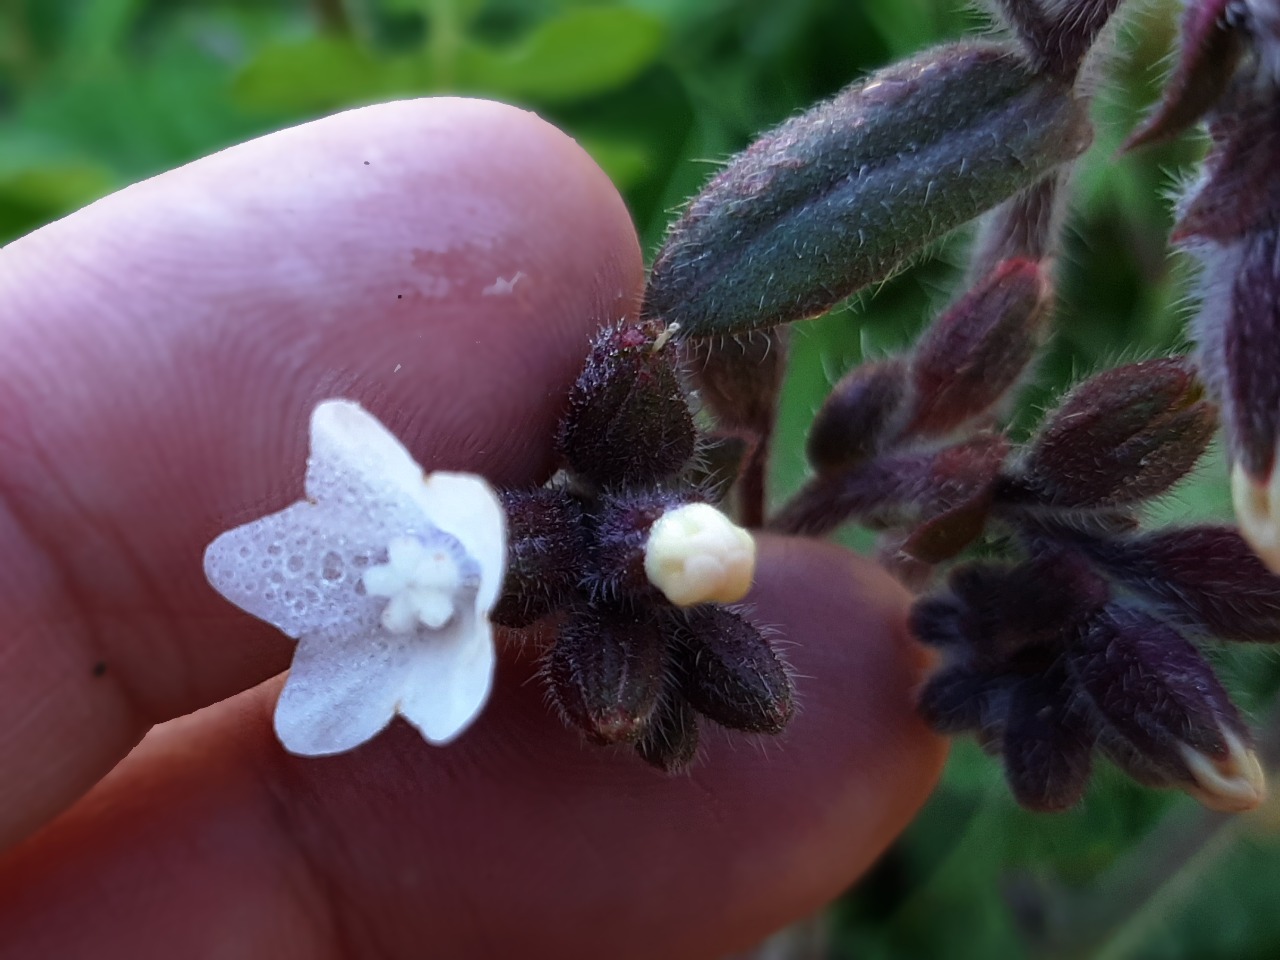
column 386, row 577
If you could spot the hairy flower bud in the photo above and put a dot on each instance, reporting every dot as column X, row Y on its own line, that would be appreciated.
column 860, row 417
column 1211, row 49
column 1160, row 706
column 838, row 197
column 544, row 555
column 730, row 672
column 978, row 350
column 1122, row 437
column 627, row 420
column 992, row 611
column 671, row 740
column 1206, row 577
column 965, row 697
column 1059, row 33
column 606, row 673
column 1047, row 750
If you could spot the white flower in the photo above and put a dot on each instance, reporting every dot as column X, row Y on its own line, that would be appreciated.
column 386, row 578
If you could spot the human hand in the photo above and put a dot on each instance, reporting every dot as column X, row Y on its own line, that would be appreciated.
column 444, row 263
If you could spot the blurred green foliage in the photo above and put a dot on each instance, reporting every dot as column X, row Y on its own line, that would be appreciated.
column 96, row 94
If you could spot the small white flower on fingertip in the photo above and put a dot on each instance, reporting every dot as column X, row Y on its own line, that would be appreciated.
column 695, row 554
column 386, row 578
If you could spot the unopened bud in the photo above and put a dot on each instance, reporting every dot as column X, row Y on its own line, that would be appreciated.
column 731, row 672
column 1163, row 712
column 1122, row 437
column 964, row 697
column 627, row 420
column 607, row 673
column 1242, row 349
column 1257, row 506
column 840, row 196
column 1205, row 576
column 1211, row 49
column 860, row 417
column 545, row 547
column 695, row 554
column 1048, row 754
column 973, row 356
column 671, row 741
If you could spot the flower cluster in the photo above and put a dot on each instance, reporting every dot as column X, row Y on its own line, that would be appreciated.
column 624, row 550
column 1229, row 75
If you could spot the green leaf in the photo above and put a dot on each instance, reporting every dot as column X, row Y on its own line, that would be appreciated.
column 579, row 54
column 626, row 162
column 319, row 73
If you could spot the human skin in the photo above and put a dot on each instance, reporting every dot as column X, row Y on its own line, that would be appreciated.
column 160, row 352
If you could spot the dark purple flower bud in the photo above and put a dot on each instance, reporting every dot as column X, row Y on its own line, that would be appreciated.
column 1211, row 48
column 862, row 416
column 739, row 378
column 901, row 490
column 1239, row 192
column 627, row 420
column 730, row 672
column 671, row 740
column 1059, row 33
column 1026, row 226
column 1157, row 701
column 545, row 548
column 1122, row 437
column 607, row 671
column 1047, row 750
column 965, row 697
column 1206, row 577
column 973, row 356
column 840, row 196
column 995, row 614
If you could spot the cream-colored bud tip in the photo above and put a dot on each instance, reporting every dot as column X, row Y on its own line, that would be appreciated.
column 1256, row 510
column 696, row 554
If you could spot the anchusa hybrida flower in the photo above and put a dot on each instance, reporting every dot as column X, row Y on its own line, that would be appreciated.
column 385, row 576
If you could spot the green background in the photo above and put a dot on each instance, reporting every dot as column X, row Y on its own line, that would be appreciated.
column 96, row 94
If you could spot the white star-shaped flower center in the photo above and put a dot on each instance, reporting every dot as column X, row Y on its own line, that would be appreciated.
column 424, row 579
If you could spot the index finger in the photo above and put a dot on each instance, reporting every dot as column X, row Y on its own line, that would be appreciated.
column 443, row 262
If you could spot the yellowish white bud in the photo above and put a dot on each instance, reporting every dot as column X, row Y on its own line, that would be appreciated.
column 695, row 554
column 1234, row 784
column 1257, row 506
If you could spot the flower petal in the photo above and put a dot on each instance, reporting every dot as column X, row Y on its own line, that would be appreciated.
column 342, row 689
column 448, row 679
column 297, row 569
column 360, row 470
column 466, row 507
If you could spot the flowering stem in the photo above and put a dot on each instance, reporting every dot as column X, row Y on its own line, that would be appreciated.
column 752, row 485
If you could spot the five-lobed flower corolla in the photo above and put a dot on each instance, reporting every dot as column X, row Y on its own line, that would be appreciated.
column 386, row 577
